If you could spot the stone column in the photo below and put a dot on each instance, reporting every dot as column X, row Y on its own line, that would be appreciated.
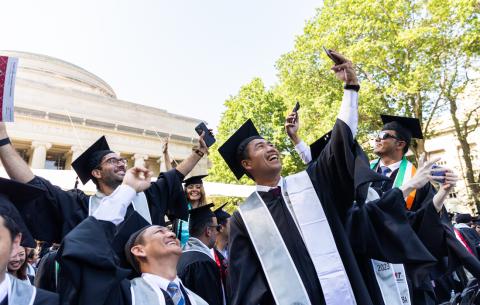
column 139, row 159
column 39, row 153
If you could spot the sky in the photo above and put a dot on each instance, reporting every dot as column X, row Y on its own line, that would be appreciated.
column 185, row 56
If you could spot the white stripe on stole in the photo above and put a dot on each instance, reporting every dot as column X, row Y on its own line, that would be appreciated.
column 319, row 240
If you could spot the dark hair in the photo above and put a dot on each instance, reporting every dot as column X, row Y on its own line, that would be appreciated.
column 401, row 132
column 137, row 239
column 11, row 226
column 222, row 221
column 198, row 228
column 21, row 273
column 243, row 155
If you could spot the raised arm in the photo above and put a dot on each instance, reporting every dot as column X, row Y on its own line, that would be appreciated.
column 186, row 166
column 166, row 155
column 15, row 166
column 292, row 124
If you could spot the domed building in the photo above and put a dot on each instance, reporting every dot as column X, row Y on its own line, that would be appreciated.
column 60, row 109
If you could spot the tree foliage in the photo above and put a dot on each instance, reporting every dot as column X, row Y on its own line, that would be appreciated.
column 267, row 110
column 404, row 51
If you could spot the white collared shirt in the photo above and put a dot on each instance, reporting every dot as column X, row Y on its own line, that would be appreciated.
column 4, row 287
column 159, row 283
column 393, row 167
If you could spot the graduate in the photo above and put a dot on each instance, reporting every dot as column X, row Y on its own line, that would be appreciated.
column 90, row 266
column 197, row 266
column 51, row 217
column 195, row 194
column 220, row 251
column 13, row 234
column 291, row 229
column 425, row 220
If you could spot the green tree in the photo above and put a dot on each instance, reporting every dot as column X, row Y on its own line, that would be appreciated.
column 397, row 47
column 267, row 110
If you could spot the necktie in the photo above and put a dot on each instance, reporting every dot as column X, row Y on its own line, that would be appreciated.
column 175, row 293
column 276, row 192
column 385, row 170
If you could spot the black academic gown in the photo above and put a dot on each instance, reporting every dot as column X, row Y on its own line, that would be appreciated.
column 57, row 212
column 472, row 238
column 91, row 272
column 200, row 274
column 45, row 277
column 422, row 196
column 42, row 297
column 332, row 177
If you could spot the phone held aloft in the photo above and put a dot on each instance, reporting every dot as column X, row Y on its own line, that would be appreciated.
column 438, row 173
column 209, row 139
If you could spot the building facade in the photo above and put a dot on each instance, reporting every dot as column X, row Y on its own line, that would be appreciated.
column 444, row 144
column 61, row 109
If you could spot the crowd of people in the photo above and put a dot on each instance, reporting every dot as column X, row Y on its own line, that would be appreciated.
column 345, row 230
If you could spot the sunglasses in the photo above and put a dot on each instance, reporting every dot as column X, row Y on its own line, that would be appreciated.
column 217, row 227
column 383, row 135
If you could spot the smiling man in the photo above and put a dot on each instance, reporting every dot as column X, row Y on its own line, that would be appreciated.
column 91, row 268
column 51, row 217
column 291, row 228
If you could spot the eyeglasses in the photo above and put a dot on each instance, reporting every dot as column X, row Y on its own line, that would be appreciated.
column 114, row 161
column 383, row 135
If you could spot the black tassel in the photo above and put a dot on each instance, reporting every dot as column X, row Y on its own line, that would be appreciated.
column 76, row 183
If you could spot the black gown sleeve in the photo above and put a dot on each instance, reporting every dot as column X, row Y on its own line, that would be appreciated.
column 203, row 278
column 50, row 217
column 89, row 267
column 44, row 297
column 381, row 230
column 166, row 197
column 248, row 284
column 333, row 172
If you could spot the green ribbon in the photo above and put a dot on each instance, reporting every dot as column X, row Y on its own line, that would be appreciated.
column 401, row 171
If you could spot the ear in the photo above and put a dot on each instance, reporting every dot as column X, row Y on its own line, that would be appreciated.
column 247, row 164
column 138, row 251
column 97, row 173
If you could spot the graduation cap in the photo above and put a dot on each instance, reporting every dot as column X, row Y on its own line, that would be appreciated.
column 317, row 146
column 200, row 215
column 232, row 150
column 406, row 128
column 90, row 159
column 12, row 193
column 221, row 214
column 194, row 180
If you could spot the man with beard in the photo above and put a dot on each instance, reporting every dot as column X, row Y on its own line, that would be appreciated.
column 51, row 217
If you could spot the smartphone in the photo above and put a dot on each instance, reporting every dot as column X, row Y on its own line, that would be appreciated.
column 297, row 106
column 295, row 109
column 438, row 173
column 331, row 56
column 208, row 138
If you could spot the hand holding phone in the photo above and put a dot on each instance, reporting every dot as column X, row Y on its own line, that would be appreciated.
column 330, row 55
column 438, row 173
column 208, row 138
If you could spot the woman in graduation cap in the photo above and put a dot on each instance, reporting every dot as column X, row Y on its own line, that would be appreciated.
column 51, row 217
column 195, row 194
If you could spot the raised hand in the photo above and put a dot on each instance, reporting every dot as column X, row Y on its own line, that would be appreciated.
column 138, row 178
column 345, row 71
column 292, row 123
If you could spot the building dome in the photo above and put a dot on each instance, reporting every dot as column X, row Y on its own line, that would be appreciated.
column 59, row 74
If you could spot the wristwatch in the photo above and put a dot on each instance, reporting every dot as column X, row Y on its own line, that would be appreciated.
column 352, row 87
column 5, row 141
